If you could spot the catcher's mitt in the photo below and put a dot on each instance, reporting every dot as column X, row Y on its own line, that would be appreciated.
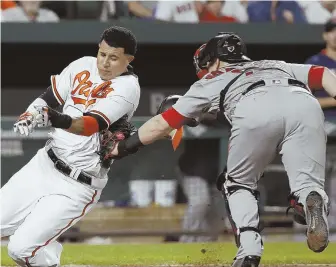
column 119, row 130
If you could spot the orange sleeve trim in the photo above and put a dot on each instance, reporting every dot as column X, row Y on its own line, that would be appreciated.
column 173, row 118
column 315, row 76
column 91, row 126
column 56, row 93
column 101, row 115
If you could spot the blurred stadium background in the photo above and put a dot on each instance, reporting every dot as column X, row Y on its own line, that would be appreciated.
column 157, row 195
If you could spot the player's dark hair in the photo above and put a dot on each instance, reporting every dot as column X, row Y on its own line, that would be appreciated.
column 116, row 36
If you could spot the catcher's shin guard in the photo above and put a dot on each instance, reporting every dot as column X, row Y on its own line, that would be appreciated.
column 318, row 230
column 248, row 261
column 220, row 184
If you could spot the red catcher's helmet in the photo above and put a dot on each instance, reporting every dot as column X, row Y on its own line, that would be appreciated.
column 225, row 46
column 199, row 72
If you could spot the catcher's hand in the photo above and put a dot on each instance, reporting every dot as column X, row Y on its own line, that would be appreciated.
column 119, row 130
column 27, row 121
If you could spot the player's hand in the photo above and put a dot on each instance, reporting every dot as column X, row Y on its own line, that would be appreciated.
column 51, row 117
column 42, row 119
column 25, row 124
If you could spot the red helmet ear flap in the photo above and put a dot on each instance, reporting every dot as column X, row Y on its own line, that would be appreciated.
column 200, row 72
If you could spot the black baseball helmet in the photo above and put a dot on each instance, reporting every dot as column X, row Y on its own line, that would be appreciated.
column 226, row 46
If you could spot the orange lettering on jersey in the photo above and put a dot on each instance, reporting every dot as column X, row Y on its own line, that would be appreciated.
column 84, row 90
column 82, row 101
column 102, row 90
column 84, row 84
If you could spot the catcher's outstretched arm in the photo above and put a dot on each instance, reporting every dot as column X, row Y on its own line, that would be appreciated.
column 154, row 129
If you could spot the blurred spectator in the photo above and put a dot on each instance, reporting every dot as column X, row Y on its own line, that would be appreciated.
column 141, row 9
column 327, row 58
column 7, row 4
column 113, row 10
column 178, row 11
column 28, row 11
column 223, row 11
column 198, row 171
column 276, row 11
column 318, row 12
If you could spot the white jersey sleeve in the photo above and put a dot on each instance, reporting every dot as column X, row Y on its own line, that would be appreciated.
column 61, row 84
column 122, row 100
column 194, row 102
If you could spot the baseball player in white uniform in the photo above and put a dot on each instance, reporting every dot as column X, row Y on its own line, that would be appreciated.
column 271, row 110
column 64, row 180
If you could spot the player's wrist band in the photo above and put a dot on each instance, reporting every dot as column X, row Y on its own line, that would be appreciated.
column 61, row 121
column 129, row 145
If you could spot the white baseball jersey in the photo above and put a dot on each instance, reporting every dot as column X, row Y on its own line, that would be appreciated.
column 177, row 11
column 81, row 90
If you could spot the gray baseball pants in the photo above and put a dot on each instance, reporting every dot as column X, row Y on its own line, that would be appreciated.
column 269, row 120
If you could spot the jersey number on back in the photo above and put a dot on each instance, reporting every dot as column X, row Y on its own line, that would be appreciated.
column 216, row 73
column 83, row 91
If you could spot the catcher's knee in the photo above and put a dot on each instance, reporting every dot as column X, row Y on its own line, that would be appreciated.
column 244, row 232
column 228, row 192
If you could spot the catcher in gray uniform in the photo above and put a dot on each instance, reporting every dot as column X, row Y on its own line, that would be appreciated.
column 271, row 110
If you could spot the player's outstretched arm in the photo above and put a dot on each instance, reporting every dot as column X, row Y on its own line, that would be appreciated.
column 154, row 129
column 28, row 120
column 85, row 125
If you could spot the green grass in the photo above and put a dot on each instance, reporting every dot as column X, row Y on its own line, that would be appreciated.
column 157, row 254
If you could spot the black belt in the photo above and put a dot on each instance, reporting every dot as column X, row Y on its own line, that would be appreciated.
column 66, row 169
column 262, row 83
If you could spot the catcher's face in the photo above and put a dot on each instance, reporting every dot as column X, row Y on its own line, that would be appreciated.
column 111, row 61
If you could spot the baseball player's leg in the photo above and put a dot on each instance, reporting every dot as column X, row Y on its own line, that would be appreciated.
column 255, row 135
column 304, row 156
column 197, row 192
column 252, row 146
column 34, row 242
column 18, row 197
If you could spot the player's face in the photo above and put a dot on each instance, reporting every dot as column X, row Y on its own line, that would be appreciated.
column 111, row 61
column 330, row 39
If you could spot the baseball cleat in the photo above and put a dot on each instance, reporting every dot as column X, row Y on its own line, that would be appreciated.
column 248, row 261
column 317, row 231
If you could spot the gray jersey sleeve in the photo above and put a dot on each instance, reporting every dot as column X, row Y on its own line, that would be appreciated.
column 193, row 102
column 300, row 71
